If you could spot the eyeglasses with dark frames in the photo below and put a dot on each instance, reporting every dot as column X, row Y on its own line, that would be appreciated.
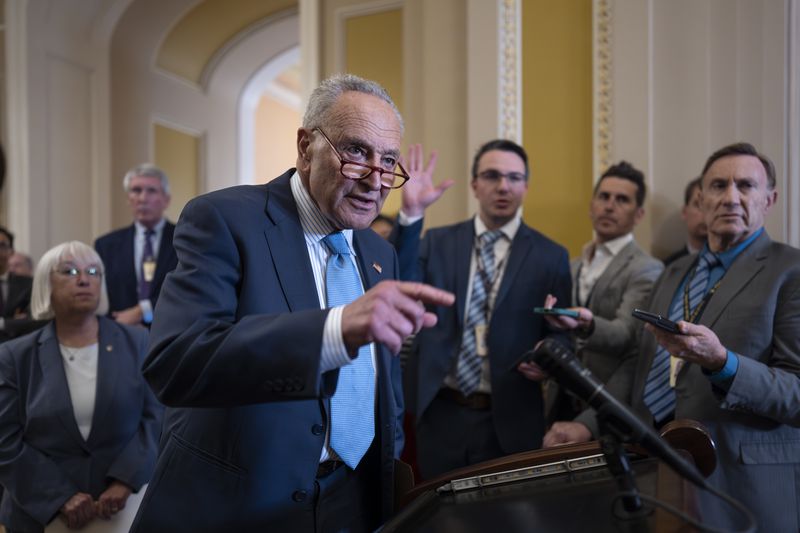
column 358, row 171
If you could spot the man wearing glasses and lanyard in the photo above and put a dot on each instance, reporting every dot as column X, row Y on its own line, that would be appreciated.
column 472, row 399
column 735, row 365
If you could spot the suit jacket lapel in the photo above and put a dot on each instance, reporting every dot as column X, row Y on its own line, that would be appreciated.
column 287, row 249
column 108, row 369
column 520, row 248
column 369, row 264
column 744, row 268
column 618, row 262
column 463, row 246
column 54, row 381
column 126, row 256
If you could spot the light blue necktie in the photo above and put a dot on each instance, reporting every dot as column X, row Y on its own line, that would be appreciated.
column 659, row 397
column 353, row 404
column 468, row 370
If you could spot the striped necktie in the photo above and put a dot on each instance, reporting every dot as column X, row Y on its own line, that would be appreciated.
column 148, row 259
column 468, row 369
column 353, row 404
column 659, row 396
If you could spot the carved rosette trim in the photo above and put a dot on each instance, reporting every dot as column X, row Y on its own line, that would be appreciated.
column 510, row 92
column 603, row 86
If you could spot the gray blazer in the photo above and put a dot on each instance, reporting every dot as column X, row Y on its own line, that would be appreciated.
column 624, row 286
column 40, row 440
column 756, row 424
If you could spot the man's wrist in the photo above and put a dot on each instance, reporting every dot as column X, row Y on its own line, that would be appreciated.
column 584, row 332
column 405, row 219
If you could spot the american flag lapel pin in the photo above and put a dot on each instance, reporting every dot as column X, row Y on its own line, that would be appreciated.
column 377, row 267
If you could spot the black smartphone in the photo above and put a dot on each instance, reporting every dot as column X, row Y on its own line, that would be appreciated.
column 657, row 320
column 556, row 311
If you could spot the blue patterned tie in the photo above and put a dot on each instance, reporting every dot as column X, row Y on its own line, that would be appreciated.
column 659, row 396
column 353, row 404
column 468, row 370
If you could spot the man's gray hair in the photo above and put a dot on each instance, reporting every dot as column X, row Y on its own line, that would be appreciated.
column 147, row 170
column 326, row 94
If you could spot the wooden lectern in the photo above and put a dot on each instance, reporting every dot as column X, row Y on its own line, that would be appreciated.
column 562, row 489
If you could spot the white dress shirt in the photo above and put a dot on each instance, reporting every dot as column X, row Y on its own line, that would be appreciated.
column 594, row 260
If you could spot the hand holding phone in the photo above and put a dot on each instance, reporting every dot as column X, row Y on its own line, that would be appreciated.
column 557, row 311
column 657, row 320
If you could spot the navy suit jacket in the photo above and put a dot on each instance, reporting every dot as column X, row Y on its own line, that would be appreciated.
column 40, row 440
column 235, row 348
column 18, row 301
column 536, row 266
column 116, row 251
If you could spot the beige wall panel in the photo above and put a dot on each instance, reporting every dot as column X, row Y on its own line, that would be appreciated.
column 178, row 154
column 67, row 203
column 276, row 128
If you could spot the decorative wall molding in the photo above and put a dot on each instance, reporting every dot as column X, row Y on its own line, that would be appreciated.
column 360, row 10
column 509, row 50
column 603, row 84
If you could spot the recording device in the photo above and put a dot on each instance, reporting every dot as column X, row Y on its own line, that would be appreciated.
column 556, row 311
column 617, row 418
column 657, row 320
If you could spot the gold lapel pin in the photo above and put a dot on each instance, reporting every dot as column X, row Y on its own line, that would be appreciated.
column 377, row 267
column 109, row 347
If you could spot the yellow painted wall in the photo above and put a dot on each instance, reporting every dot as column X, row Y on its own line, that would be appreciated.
column 178, row 154
column 557, row 117
column 197, row 36
column 374, row 50
column 275, row 139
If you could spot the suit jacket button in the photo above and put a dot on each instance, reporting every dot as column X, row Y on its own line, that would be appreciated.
column 300, row 496
column 317, row 429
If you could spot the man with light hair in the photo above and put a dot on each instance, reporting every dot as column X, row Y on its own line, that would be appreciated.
column 138, row 257
column 275, row 338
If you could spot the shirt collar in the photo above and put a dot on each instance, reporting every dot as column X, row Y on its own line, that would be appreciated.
column 315, row 225
column 140, row 228
column 509, row 229
column 727, row 257
column 612, row 247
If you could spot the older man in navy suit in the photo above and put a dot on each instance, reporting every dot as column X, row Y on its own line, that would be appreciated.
column 273, row 339
column 138, row 257
column 472, row 399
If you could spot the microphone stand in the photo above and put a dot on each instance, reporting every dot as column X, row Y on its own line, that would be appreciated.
column 620, row 468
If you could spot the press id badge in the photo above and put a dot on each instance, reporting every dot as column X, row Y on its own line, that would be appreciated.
column 481, row 345
column 148, row 269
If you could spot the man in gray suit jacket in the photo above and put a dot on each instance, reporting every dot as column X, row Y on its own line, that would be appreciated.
column 612, row 277
column 735, row 365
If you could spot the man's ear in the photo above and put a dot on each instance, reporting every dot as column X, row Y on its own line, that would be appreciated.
column 303, row 149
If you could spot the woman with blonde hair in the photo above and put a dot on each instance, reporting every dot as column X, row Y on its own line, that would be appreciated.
column 78, row 424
